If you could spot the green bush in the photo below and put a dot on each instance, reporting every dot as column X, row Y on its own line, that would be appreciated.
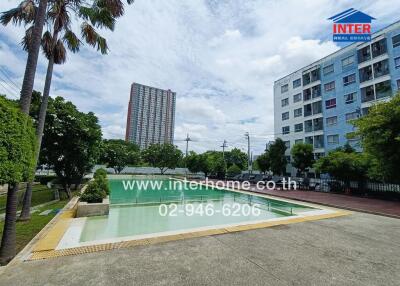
column 94, row 193
column 100, row 173
column 97, row 189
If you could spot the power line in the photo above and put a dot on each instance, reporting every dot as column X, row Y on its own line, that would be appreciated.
column 8, row 90
column 3, row 71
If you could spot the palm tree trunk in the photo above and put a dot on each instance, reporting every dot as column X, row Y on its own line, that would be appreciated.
column 31, row 63
column 8, row 243
column 26, row 207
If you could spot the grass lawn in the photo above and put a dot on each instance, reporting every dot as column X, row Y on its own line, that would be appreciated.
column 40, row 195
column 26, row 230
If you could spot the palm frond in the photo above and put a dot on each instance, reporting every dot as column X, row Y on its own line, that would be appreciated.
column 59, row 15
column 93, row 38
column 27, row 39
column 24, row 13
column 89, row 33
column 102, row 45
column 47, row 44
column 60, row 54
column 116, row 7
column 99, row 17
column 72, row 41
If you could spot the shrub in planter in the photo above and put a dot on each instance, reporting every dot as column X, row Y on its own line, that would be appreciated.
column 100, row 173
column 94, row 193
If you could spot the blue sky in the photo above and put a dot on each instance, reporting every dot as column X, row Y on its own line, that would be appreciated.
column 220, row 56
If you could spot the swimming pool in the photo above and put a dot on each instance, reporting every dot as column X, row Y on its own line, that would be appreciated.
column 149, row 206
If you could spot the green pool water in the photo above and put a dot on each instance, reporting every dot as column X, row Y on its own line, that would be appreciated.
column 174, row 207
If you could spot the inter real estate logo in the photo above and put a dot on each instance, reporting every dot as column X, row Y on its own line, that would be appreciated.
column 351, row 26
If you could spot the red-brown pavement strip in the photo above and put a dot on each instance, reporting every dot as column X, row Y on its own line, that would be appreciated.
column 368, row 205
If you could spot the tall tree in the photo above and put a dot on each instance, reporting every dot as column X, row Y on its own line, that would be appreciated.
column 277, row 156
column 162, row 156
column 263, row 162
column 379, row 132
column 236, row 157
column 302, row 157
column 344, row 165
column 71, row 145
column 117, row 154
column 100, row 14
column 17, row 149
column 193, row 162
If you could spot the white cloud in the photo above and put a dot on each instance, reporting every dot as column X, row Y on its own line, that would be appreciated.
column 221, row 57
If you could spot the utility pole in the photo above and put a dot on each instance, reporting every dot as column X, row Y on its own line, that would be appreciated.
column 187, row 148
column 224, row 145
column 187, row 144
column 247, row 136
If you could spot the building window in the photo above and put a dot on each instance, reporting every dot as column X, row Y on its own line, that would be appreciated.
column 285, row 116
column 328, row 69
column 398, row 84
column 329, row 86
column 351, row 116
column 397, row 62
column 318, row 124
column 308, row 127
column 331, row 121
column 297, row 97
column 285, row 102
column 308, row 110
column 367, row 93
column 307, row 94
column 309, row 140
column 383, row 89
column 284, row 88
column 364, row 54
column 319, row 141
column 350, row 98
column 287, row 144
column 378, row 48
column 315, row 75
column 306, row 78
column 286, row 130
column 333, row 139
column 381, row 68
column 317, row 107
column 297, row 141
column 316, row 91
column 298, row 112
column 348, row 61
column 396, row 41
column 298, row 127
column 297, row 83
column 365, row 73
column 349, row 79
column 330, row 103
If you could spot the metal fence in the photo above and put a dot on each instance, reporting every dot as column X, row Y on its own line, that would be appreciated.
column 362, row 188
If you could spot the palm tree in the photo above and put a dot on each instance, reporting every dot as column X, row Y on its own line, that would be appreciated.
column 25, row 13
column 102, row 14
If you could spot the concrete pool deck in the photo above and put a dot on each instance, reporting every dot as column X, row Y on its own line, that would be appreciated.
column 358, row 249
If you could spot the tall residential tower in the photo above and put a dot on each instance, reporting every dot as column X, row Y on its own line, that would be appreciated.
column 151, row 115
column 317, row 103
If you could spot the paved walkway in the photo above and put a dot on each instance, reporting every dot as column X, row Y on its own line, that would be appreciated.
column 368, row 205
column 358, row 250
